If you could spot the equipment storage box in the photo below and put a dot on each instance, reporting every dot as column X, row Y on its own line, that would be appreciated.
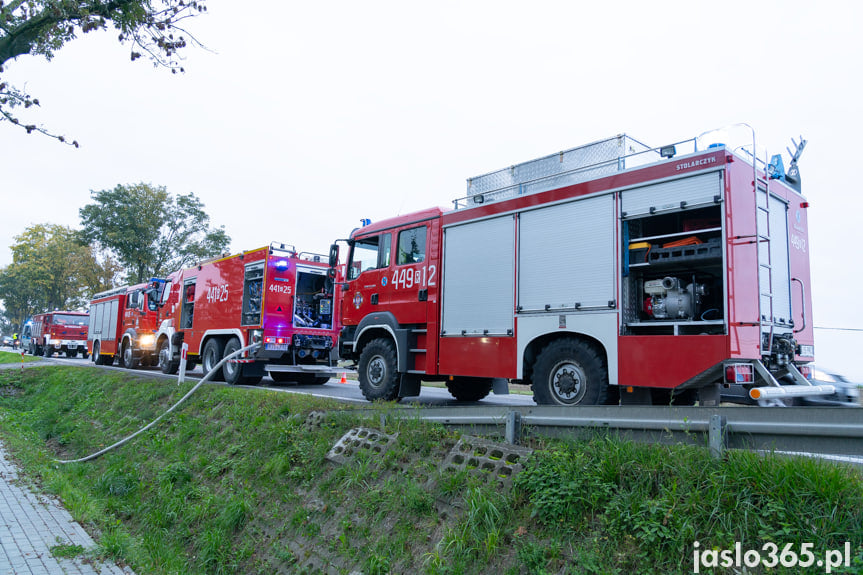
column 711, row 249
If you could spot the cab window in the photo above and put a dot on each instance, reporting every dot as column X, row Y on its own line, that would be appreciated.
column 412, row 246
column 369, row 254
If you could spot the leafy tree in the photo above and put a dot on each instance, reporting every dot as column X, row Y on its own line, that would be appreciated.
column 52, row 268
column 41, row 27
column 151, row 232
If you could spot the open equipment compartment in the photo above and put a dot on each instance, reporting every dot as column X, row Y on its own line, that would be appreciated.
column 672, row 272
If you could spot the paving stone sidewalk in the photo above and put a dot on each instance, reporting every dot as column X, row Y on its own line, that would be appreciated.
column 31, row 524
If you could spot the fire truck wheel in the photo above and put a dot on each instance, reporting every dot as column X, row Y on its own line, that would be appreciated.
column 213, row 353
column 569, row 372
column 234, row 371
column 48, row 351
column 377, row 371
column 70, row 353
column 127, row 358
column 469, row 388
column 167, row 363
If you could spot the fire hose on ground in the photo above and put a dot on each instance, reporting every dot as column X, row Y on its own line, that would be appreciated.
column 204, row 379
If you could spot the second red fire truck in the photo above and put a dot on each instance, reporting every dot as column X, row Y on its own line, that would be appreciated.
column 609, row 272
column 274, row 295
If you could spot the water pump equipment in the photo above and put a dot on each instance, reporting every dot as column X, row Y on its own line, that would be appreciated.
column 667, row 299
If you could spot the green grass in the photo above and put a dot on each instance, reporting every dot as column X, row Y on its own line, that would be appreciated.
column 237, row 481
column 15, row 357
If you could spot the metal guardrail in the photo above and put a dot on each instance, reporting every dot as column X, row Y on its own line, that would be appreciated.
column 818, row 430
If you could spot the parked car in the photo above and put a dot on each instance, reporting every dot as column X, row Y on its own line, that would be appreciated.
column 847, row 392
column 7, row 341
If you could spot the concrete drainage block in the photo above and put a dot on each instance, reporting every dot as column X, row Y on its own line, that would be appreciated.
column 485, row 458
column 358, row 440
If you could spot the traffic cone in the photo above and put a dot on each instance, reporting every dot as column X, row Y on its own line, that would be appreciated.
column 344, row 378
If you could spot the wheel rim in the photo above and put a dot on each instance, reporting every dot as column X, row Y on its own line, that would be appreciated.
column 164, row 358
column 127, row 355
column 229, row 367
column 568, row 382
column 377, row 371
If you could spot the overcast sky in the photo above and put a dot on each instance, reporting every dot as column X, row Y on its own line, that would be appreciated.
column 301, row 118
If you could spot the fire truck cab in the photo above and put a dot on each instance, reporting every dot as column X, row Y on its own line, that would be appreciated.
column 58, row 332
column 275, row 296
column 612, row 272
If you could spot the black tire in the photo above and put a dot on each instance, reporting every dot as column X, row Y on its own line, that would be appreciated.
column 47, row 351
column 167, row 363
column 70, row 353
column 213, row 353
column 127, row 357
column 570, row 372
column 320, row 380
column 97, row 356
column 378, row 377
column 234, row 371
column 469, row 388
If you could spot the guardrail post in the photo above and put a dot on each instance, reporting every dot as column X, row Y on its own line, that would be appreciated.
column 513, row 427
column 718, row 424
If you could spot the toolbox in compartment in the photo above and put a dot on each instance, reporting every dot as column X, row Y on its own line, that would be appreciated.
column 711, row 249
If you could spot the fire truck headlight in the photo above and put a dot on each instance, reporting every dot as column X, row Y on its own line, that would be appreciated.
column 147, row 340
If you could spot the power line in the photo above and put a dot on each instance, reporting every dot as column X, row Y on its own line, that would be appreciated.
column 839, row 328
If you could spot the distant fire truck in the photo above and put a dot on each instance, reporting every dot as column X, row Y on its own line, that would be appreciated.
column 612, row 272
column 123, row 323
column 275, row 296
column 57, row 332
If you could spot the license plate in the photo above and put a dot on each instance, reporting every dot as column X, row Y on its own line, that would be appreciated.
column 276, row 346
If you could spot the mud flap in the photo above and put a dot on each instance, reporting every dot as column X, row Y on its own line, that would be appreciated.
column 409, row 386
column 500, row 386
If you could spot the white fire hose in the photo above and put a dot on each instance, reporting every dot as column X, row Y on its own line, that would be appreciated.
column 172, row 408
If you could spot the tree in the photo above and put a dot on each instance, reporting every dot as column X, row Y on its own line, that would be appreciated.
column 151, row 232
column 41, row 27
column 52, row 268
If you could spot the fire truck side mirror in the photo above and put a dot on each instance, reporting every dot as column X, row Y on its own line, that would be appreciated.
column 334, row 258
column 331, row 273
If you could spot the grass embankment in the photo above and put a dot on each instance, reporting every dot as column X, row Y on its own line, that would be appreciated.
column 15, row 357
column 237, row 481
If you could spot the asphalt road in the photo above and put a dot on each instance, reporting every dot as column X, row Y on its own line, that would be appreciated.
column 350, row 391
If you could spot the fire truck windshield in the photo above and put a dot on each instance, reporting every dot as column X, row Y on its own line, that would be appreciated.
column 70, row 319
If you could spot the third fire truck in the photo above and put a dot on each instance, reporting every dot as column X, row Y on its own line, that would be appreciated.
column 123, row 323
column 609, row 272
column 274, row 295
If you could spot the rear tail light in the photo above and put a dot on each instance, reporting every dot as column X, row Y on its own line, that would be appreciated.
column 272, row 339
column 739, row 373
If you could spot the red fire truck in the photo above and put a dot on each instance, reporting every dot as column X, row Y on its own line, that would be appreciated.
column 609, row 272
column 58, row 332
column 274, row 295
column 123, row 324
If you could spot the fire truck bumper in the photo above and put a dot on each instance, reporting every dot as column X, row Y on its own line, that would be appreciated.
column 790, row 391
column 68, row 344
